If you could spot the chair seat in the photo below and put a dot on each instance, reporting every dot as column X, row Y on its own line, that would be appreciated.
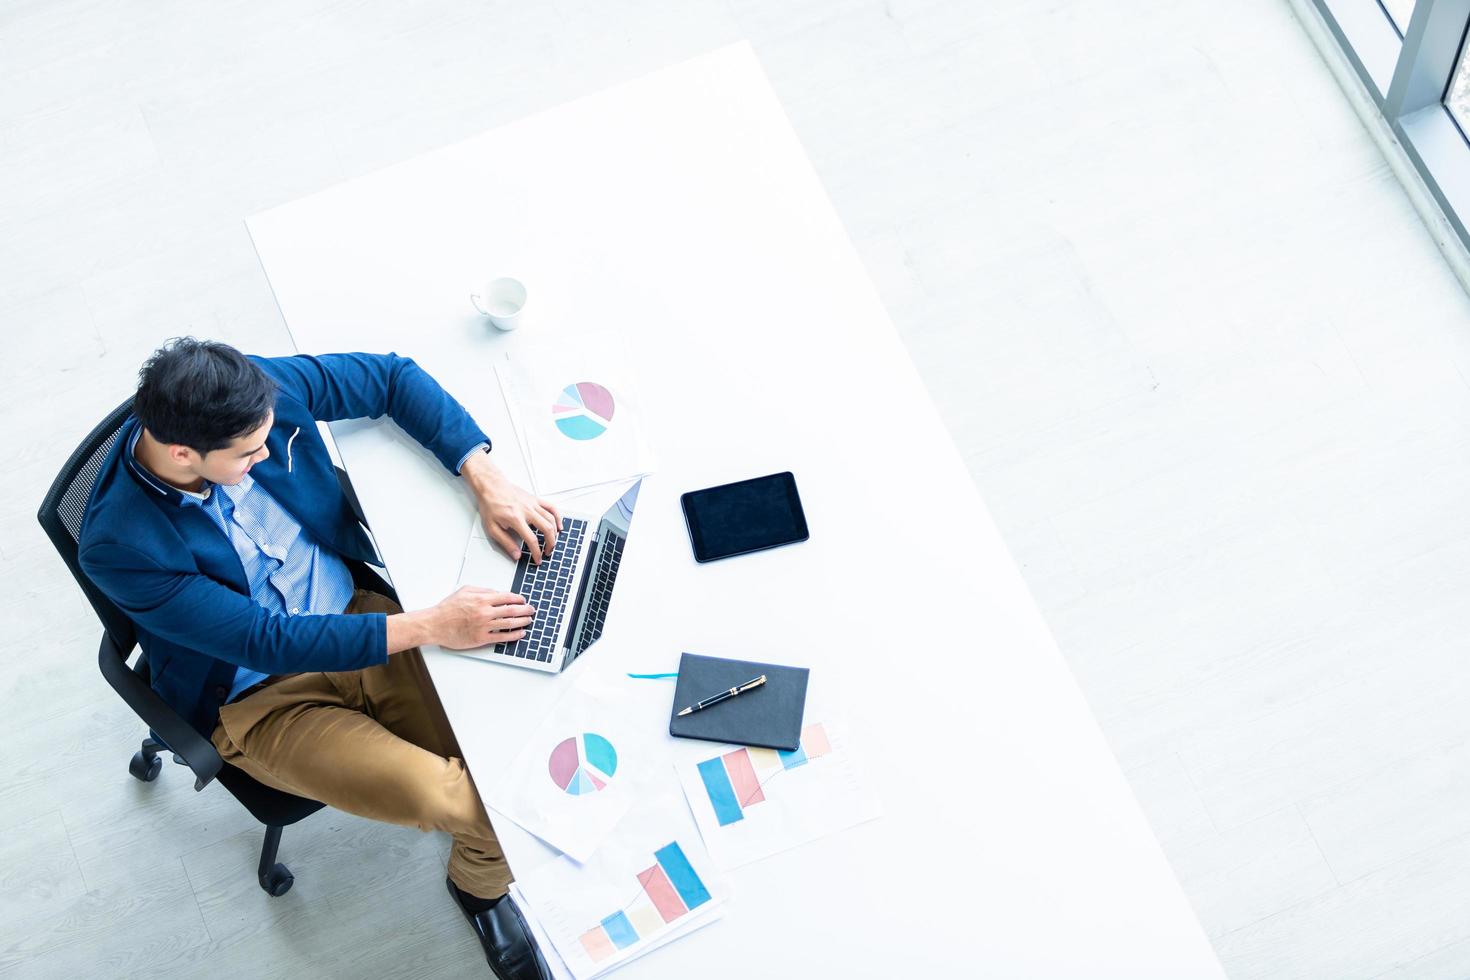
column 267, row 804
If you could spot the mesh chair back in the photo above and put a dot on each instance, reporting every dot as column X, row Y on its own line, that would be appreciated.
column 61, row 517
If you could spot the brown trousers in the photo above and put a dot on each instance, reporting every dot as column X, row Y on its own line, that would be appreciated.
column 374, row 742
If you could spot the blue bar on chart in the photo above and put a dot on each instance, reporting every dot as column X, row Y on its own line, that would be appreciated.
column 721, row 793
column 685, row 879
column 790, row 760
column 620, row 930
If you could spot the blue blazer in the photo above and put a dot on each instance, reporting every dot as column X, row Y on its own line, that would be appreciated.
column 170, row 570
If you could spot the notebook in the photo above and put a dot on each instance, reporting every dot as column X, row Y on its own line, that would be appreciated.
column 768, row 716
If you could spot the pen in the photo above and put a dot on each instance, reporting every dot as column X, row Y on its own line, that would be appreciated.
column 716, row 699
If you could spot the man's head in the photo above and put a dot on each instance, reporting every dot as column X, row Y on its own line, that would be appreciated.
column 208, row 405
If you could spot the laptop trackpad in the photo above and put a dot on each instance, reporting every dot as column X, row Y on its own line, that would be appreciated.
column 486, row 564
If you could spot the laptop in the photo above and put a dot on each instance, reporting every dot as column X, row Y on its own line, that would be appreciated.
column 571, row 589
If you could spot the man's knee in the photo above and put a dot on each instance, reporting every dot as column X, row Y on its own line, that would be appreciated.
column 451, row 804
column 368, row 601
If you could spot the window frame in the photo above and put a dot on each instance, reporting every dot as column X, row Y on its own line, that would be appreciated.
column 1407, row 78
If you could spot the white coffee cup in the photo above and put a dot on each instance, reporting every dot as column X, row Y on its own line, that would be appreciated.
column 502, row 300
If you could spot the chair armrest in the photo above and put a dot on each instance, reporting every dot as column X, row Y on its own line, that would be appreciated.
column 365, row 576
column 196, row 751
column 350, row 493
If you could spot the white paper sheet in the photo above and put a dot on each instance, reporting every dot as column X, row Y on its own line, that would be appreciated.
column 751, row 803
column 649, row 884
column 576, row 413
column 579, row 771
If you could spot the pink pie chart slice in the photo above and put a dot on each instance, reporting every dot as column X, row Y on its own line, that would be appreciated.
column 599, row 400
column 563, row 763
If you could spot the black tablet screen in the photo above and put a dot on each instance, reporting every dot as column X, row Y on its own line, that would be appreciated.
column 738, row 518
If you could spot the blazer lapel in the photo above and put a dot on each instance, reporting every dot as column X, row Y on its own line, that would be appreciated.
column 212, row 551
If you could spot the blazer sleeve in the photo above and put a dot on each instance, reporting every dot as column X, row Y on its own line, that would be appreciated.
column 354, row 386
column 193, row 610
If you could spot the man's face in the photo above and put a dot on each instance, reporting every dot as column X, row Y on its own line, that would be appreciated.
column 229, row 465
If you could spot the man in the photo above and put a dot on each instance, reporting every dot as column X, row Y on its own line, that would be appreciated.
column 217, row 524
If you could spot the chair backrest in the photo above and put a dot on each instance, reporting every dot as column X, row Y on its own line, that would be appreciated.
column 61, row 517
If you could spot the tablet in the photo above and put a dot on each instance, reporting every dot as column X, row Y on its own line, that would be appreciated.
column 739, row 518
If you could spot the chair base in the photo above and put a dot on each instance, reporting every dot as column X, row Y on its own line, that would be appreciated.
column 275, row 878
column 145, row 763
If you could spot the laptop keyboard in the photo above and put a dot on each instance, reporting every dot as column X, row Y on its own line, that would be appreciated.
column 603, row 579
column 546, row 586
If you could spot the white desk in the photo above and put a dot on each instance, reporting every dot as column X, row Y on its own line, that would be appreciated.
column 681, row 211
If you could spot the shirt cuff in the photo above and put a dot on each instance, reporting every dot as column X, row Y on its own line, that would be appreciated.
column 483, row 447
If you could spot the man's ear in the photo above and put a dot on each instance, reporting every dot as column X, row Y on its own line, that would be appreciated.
column 181, row 455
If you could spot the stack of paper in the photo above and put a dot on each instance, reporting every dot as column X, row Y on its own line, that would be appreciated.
column 576, row 414
column 647, row 886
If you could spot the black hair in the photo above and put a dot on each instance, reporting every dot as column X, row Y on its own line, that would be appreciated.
column 201, row 394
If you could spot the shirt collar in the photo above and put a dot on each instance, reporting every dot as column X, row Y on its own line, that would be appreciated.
column 180, row 497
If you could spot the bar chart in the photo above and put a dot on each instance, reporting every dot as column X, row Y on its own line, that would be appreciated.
column 750, row 803
column 668, row 890
column 736, row 780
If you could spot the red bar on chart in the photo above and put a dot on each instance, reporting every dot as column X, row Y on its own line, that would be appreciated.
column 660, row 891
column 814, row 741
column 743, row 778
column 596, row 943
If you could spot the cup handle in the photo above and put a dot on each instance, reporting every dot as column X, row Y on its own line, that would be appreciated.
column 475, row 302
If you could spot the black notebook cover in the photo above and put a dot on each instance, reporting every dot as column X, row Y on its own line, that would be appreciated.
column 768, row 716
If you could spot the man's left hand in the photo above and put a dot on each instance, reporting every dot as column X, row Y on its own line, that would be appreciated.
column 508, row 512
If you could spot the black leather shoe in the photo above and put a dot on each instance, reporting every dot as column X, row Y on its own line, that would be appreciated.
column 509, row 948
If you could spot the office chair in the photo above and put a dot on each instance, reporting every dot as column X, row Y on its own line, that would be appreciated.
column 61, row 517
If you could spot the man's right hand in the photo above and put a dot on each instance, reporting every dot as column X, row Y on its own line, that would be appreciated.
column 471, row 617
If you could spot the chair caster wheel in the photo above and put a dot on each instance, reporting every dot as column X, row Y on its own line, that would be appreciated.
column 144, row 767
column 277, row 881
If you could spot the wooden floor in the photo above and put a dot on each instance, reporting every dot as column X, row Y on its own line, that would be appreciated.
column 1207, row 367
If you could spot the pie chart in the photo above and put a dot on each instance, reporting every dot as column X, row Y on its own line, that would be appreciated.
column 583, row 410
column 583, row 763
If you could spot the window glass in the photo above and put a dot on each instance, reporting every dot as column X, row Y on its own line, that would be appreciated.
column 1399, row 11
column 1457, row 96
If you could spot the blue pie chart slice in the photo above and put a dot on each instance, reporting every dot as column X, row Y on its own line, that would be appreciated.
column 583, row 410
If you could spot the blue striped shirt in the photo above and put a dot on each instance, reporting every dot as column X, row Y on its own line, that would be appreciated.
column 288, row 572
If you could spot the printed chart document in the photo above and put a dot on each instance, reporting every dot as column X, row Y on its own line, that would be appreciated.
column 649, row 884
column 751, row 803
column 579, row 772
column 576, row 413
column 556, row 964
